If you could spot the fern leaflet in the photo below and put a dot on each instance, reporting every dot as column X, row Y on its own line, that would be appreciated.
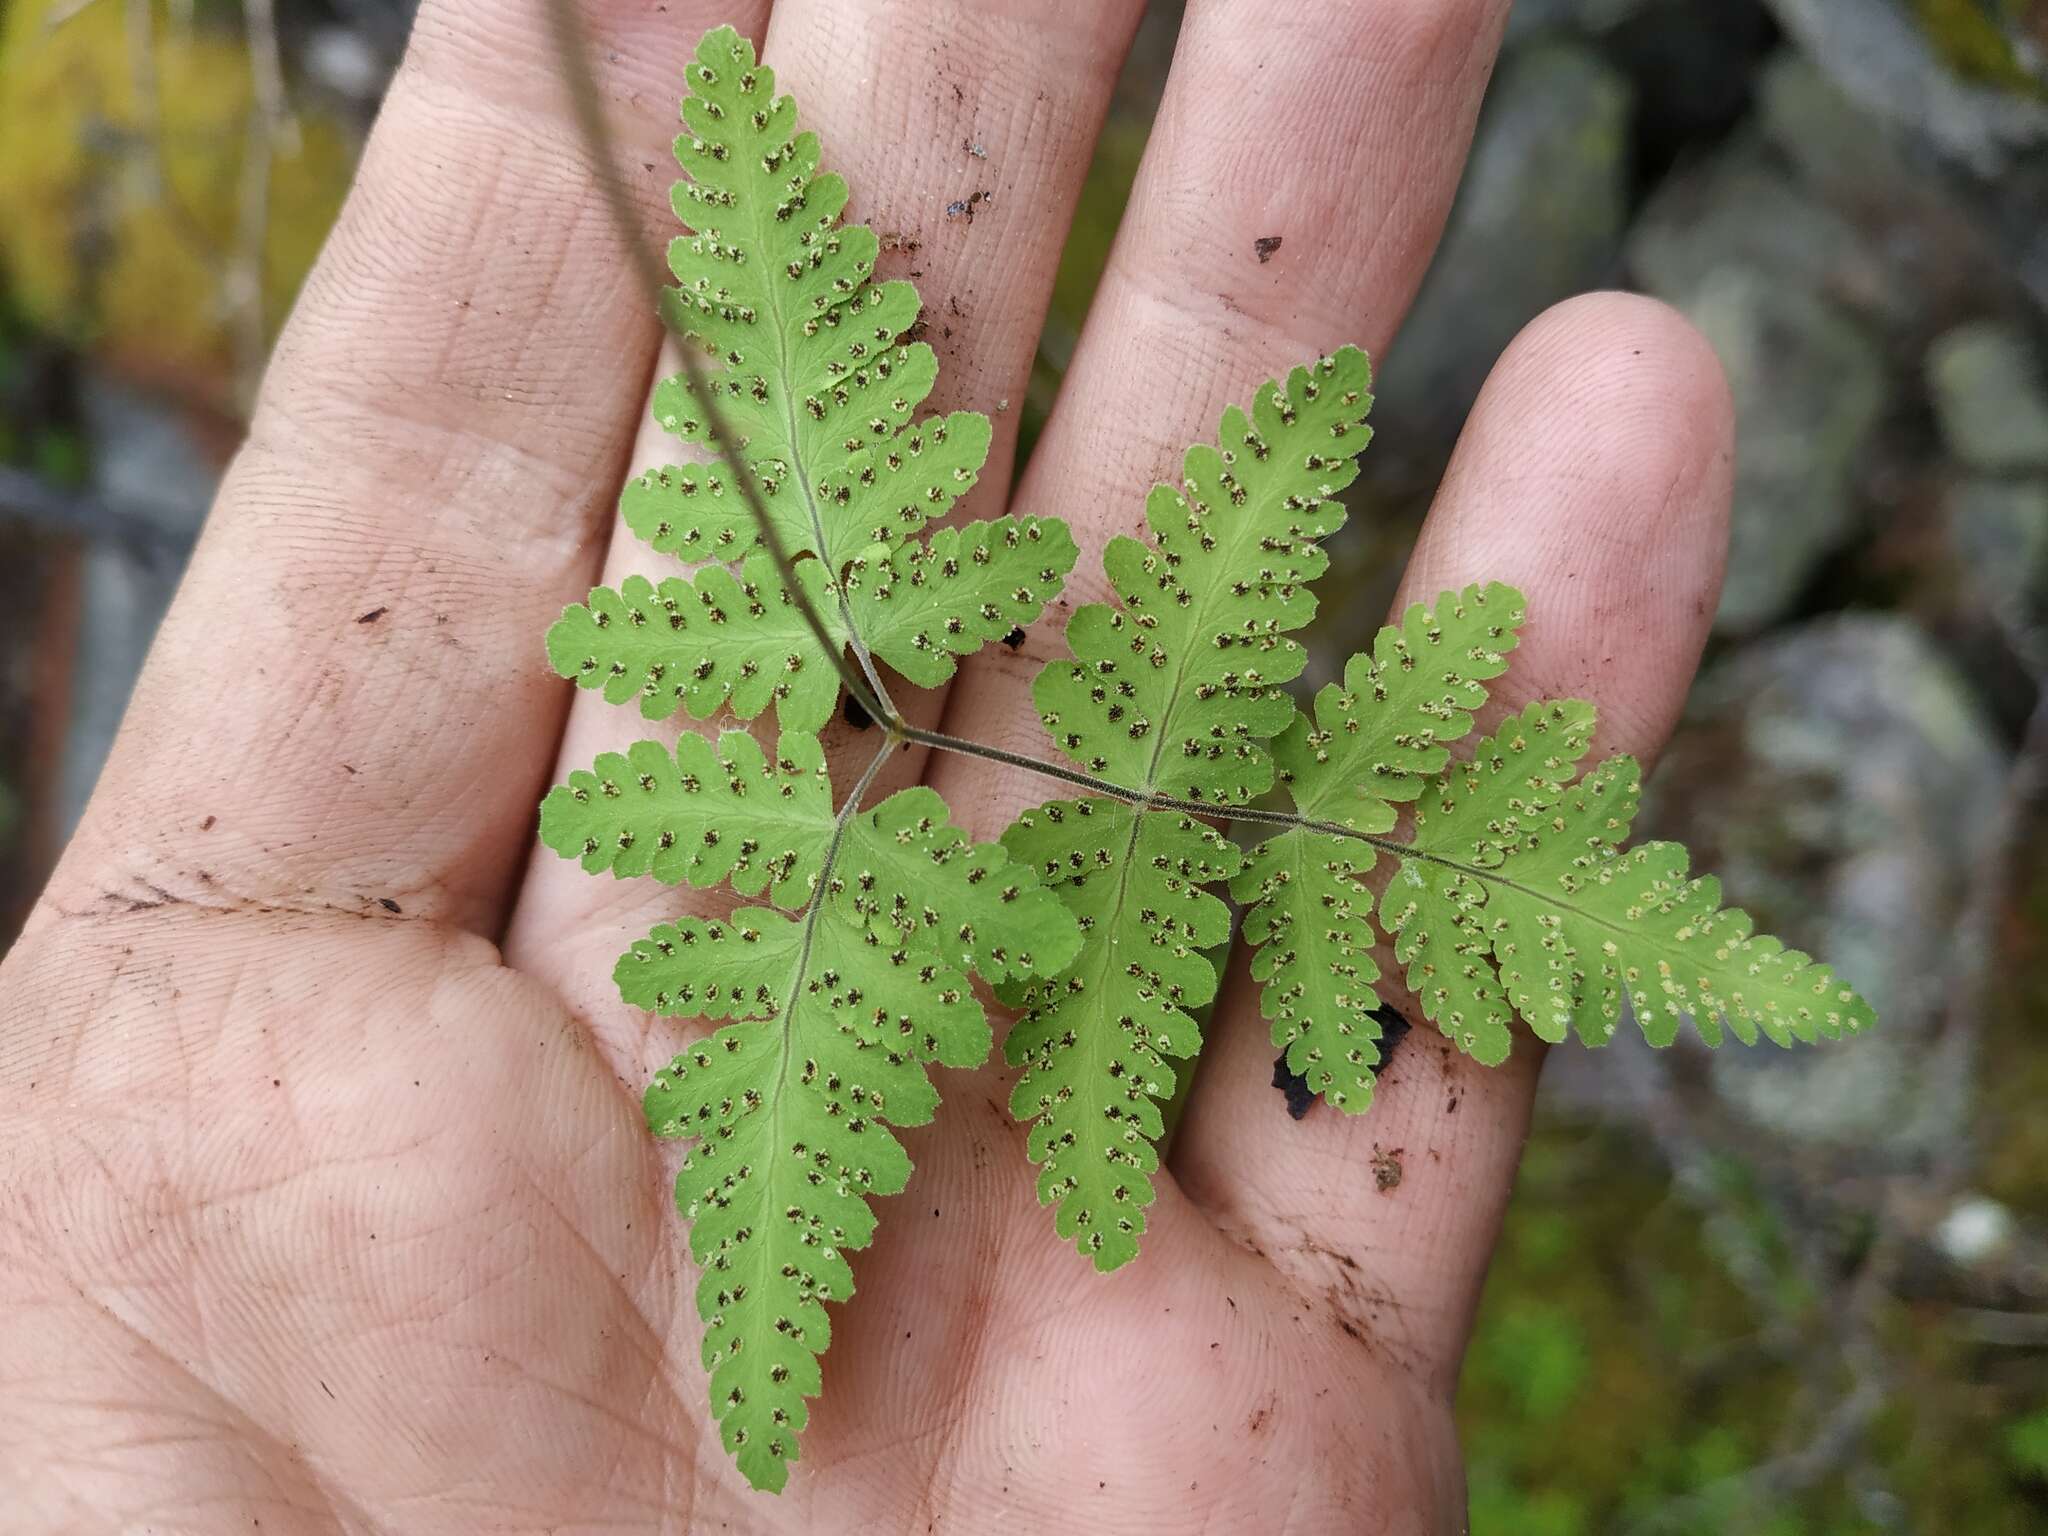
column 1096, row 1039
column 1172, row 692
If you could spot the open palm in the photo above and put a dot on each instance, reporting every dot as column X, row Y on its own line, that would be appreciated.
column 326, row 1202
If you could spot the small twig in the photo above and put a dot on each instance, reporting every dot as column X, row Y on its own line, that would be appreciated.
column 270, row 128
column 1840, row 1430
column 141, row 27
column 266, row 74
column 34, row 500
column 2011, row 1330
column 63, row 11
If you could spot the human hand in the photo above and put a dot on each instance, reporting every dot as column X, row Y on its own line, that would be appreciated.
column 326, row 1202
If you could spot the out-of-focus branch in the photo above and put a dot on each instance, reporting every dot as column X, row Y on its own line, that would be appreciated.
column 29, row 498
column 64, row 11
column 141, row 27
column 271, row 128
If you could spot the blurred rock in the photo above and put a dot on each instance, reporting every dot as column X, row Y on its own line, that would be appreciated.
column 1893, row 69
column 1919, row 254
column 1809, row 385
column 1998, row 535
column 1745, row 210
column 1837, row 777
column 1797, row 295
column 346, row 62
column 1530, row 17
column 145, row 459
column 1989, row 397
column 1973, row 1230
column 1539, row 218
column 1921, row 93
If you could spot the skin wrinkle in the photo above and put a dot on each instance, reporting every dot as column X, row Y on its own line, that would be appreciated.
column 334, row 1501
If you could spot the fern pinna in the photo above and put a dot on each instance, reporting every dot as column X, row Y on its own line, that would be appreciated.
column 1498, row 873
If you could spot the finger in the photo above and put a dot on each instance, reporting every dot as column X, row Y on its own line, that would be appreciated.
column 921, row 108
column 347, row 708
column 1594, row 476
column 1337, row 128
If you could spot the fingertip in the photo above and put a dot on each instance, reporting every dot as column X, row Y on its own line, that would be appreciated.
column 1595, row 476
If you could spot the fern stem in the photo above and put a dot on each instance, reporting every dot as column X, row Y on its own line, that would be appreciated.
column 846, row 814
column 1147, row 799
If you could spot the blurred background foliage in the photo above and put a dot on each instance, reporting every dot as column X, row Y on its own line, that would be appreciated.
column 1754, row 1293
column 162, row 199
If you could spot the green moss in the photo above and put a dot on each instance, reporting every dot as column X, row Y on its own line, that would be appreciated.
column 98, row 246
column 1619, row 1379
column 2026, row 1446
column 2012, row 1128
column 1974, row 36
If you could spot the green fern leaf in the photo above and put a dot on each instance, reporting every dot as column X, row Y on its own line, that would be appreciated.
column 808, row 363
column 1309, row 920
column 1096, row 917
column 908, row 874
column 841, row 1010
column 840, row 1002
column 1095, row 1039
column 1176, row 690
column 741, row 642
column 793, row 1122
column 1382, row 735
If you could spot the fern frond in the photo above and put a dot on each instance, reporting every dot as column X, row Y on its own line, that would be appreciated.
column 1373, row 742
column 840, row 1012
column 1096, row 917
column 1380, row 736
column 793, row 1120
column 1309, row 921
column 1095, row 1039
column 811, row 372
column 1176, row 689
column 840, row 1001
column 812, row 375
column 910, row 875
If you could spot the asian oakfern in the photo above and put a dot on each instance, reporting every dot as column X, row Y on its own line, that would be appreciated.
column 1498, row 871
